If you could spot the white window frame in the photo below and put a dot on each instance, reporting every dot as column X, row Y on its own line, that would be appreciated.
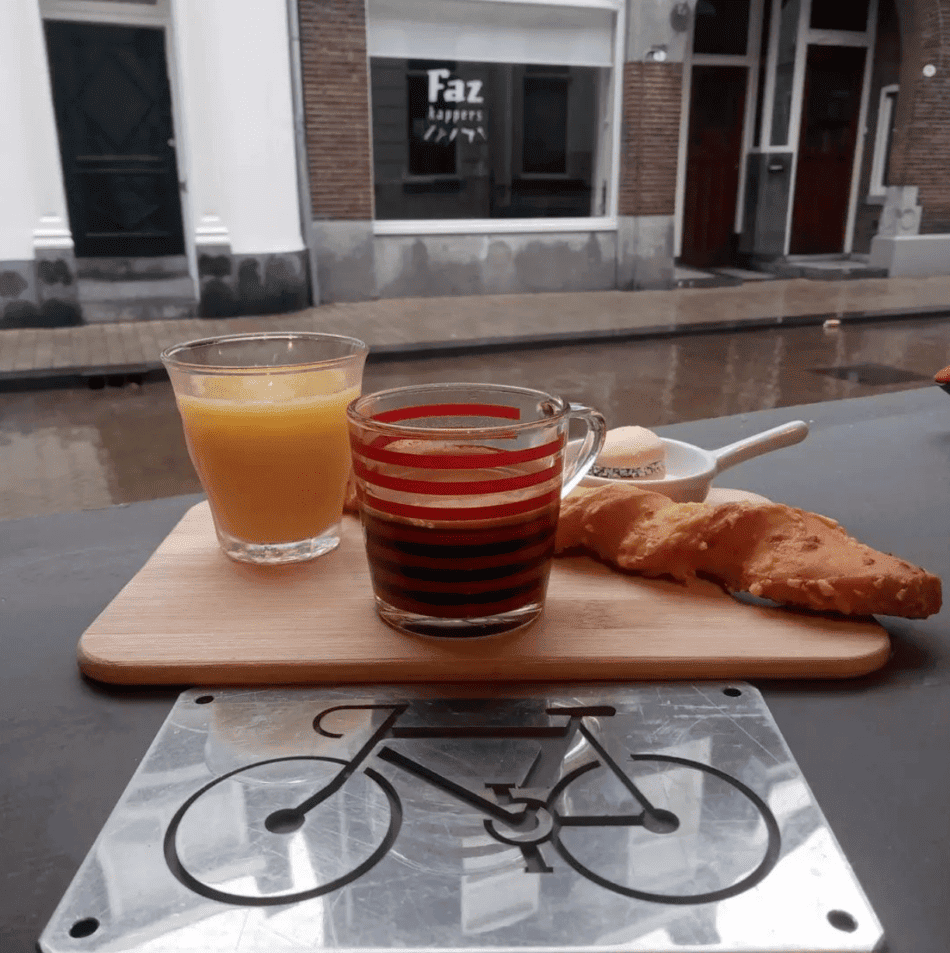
column 877, row 187
column 611, row 143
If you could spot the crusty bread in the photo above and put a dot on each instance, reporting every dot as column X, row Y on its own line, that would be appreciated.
column 943, row 377
column 770, row 550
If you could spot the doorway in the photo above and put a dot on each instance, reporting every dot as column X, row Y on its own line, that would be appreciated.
column 713, row 158
column 114, row 116
column 831, row 106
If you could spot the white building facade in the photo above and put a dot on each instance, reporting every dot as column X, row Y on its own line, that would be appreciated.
column 168, row 158
column 149, row 162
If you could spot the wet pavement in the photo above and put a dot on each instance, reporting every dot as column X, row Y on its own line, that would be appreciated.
column 80, row 448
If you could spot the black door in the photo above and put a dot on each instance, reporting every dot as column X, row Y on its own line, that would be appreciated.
column 113, row 112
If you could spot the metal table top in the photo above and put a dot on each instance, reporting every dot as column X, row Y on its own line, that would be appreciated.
column 874, row 750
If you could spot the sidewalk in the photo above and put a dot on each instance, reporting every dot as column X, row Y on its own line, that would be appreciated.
column 407, row 325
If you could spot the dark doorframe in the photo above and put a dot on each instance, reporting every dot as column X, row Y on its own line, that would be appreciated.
column 713, row 159
column 114, row 116
column 831, row 105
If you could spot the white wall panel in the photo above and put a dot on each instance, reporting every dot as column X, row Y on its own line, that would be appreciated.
column 32, row 196
column 234, row 71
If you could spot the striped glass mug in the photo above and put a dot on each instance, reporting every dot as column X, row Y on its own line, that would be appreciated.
column 459, row 489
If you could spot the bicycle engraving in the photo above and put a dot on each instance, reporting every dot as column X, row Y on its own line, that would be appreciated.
column 533, row 816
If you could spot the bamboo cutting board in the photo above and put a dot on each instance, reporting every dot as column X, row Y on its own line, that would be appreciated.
column 192, row 616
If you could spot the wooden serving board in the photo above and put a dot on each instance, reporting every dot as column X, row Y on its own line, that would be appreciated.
column 192, row 616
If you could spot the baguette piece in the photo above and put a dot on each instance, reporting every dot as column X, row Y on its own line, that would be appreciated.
column 768, row 549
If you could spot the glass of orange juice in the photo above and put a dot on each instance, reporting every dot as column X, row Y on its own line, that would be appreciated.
column 264, row 416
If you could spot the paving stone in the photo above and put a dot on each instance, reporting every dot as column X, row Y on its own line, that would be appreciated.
column 68, row 349
column 9, row 343
column 83, row 352
column 148, row 343
column 25, row 359
column 98, row 343
column 131, row 346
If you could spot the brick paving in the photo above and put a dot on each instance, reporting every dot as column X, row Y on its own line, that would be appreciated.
column 425, row 323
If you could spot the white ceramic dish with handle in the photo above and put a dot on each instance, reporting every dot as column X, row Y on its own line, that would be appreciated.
column 690, row 470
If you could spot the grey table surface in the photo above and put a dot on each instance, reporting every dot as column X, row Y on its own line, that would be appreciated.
column 875, row 750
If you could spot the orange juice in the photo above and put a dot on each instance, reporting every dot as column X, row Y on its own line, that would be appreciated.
column 272, row 455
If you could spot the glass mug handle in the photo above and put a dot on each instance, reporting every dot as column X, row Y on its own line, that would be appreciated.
column 593, row 443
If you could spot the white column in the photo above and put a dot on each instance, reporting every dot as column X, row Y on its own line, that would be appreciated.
column 238, row 143
column 32, row 196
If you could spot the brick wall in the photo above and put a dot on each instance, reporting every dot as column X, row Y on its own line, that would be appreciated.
column 652, row 99
column 336, row 108
column 921, row 150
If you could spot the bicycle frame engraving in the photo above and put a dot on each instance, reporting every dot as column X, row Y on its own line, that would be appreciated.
column 524, row 814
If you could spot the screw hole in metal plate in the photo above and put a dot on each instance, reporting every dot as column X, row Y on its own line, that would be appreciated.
column 204, row 699
column 83, row 928
column 841, row 920
column 732, row 692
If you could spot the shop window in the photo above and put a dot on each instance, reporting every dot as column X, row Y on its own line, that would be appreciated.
column 883, row 139
column 426, row 157
column 722, row 26
column 482, row 140
column 544, row 147
column 849, row 15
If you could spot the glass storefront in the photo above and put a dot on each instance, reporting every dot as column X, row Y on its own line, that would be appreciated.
column 470, row 140
column 493, row 110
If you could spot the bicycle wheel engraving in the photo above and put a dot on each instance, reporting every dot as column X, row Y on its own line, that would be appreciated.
column 702, row 860
column 218, row 845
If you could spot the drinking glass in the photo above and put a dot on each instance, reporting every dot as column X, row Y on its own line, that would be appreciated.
column 459, row 489
column 264, row 416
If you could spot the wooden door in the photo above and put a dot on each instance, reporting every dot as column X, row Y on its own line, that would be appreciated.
column 113, row 113
column 831, row 104
column 713, row 157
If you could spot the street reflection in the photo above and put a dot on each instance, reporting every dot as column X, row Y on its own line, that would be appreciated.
column 72, row 449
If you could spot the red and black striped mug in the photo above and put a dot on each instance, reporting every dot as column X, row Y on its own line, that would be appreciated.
column 459, row 489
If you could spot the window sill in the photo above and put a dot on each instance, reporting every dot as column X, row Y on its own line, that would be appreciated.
column 493, row 226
